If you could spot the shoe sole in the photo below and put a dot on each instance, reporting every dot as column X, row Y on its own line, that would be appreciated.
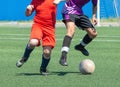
column 63, row 64
column 82, row 52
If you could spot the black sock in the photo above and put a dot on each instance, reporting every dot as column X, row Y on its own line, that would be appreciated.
column 67, row 41
column 44, row 63
column 64, row 54
column 86, row 40
column 66, row 45
column 27, row 53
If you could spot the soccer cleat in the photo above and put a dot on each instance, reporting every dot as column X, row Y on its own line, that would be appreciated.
column 82, row 49
column 20, row 62
column 63, row 61
column 43, row 72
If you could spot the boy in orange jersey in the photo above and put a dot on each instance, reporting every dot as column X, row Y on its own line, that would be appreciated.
column 43, row 30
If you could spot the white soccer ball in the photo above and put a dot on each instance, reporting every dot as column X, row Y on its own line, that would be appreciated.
column 87, row 66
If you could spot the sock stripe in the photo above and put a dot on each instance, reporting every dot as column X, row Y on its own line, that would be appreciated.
column 65, row 48
column 82, row 43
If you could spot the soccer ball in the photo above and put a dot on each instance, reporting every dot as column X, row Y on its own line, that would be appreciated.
column 86, row 66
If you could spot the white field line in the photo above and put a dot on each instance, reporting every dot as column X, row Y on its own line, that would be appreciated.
column 5, row 37
column 14, row 34
column 15, row 39
column 57, row 35
column 106, row 40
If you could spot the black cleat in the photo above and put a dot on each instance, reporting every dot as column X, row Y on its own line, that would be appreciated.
column 82, row 49
column 63, row 61
column 43, row 72
column 20, row 62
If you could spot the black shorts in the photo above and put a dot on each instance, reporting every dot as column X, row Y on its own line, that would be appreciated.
column 81, row 21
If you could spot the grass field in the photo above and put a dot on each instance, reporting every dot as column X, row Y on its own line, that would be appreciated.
column 104, row 51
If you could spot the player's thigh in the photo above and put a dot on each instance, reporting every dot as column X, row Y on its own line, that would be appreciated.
column 49, row 38
column 35, row 35
column 70, row 28
column 83, row 22
column 36, row 32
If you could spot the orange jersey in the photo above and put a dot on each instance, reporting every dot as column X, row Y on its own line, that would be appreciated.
column 43, row 27
column 45, row 11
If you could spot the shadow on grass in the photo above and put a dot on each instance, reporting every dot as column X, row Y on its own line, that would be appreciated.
column 50, row 73
column 61, row 73
column 28, row 74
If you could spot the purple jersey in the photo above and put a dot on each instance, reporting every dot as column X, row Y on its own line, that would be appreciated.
column 75, row 6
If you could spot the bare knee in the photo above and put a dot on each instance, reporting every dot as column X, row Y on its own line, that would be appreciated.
column 33, row 43
column 92, row 33
column 46, row 52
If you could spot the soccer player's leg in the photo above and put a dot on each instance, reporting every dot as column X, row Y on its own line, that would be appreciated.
column 64, row 50
column 48, row 43
column 45, row 59
column 86, row 25
column 81, row 46
column 66, row 42
column 34, row 41
column 29, row 48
